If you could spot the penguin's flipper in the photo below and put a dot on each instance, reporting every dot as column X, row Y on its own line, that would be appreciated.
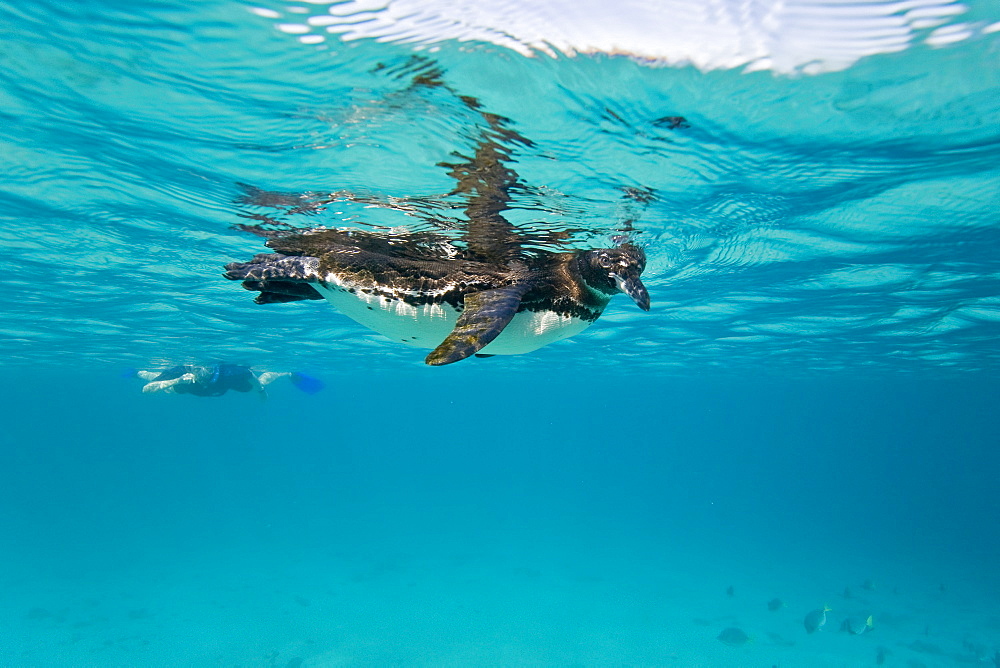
column 486, row 314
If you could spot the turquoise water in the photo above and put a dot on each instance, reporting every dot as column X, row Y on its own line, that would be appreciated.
column 807, row 412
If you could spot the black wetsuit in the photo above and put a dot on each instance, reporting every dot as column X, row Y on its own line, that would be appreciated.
column 212, row 381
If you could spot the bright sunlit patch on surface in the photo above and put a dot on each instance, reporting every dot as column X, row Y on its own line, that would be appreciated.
column 808, row 36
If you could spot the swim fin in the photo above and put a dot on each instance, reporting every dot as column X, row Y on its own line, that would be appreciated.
column 307, row 384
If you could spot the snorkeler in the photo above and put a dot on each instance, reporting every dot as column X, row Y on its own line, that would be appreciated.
column 217, row 379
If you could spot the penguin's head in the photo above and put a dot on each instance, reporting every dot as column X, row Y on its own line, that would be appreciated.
column 612, row 270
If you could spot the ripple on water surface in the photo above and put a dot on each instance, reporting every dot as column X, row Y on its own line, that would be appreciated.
column 843, row 218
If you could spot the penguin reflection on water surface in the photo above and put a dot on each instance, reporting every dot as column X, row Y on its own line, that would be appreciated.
column 488, row 295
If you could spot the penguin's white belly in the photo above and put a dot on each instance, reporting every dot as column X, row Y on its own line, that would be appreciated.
column 428, row 325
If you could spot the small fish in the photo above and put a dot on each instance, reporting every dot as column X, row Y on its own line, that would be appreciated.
column 730, row 591
column 881, row 655
column 857, row 625
column 868, row 585
column 847, row 593
column 815, row 620
column 775, row 604
column 733, row 637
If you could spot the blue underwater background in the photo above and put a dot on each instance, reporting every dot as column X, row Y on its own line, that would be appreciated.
column 808, row 413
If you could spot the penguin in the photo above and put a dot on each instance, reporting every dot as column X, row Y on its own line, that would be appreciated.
column 455, row 306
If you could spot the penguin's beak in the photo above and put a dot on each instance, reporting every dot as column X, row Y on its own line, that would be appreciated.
column 634, row 288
